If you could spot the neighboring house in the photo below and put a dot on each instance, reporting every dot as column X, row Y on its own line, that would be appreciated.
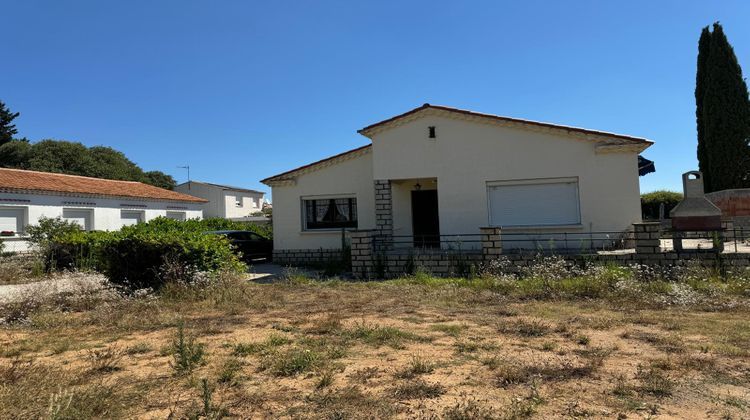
column 437, row 170
column 225, row 201
column 93, row 203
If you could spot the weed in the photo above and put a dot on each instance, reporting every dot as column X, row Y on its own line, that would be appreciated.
column 104, row 360
column 583, row 340
column 187, row 354
column 325, row 380
column 654, row 382
column 291, row 362
column 452, row 330
column 139, row 348
column 418, row 389
column 523, row 328
column 268, row 345
column 417, row 366
column 365, row 374
column 549, row 346
column 229, row 371
column 382, row 335
column 491, row 362
column 208, row 409
column 470, row 409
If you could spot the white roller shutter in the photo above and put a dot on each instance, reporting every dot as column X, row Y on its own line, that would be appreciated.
column 534, row 203
column 129, row 218
column 11, row 219
column 176, row 215
column 81, row 217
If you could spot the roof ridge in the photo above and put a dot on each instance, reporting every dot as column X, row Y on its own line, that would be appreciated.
column 425, row 106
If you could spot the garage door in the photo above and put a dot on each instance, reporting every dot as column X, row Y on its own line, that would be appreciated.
column 81, row 217
column 11, row 219
column 532, row 203
column 129, row 218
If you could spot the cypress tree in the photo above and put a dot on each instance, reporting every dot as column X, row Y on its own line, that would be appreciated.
column 703, row 49
column 725, row 116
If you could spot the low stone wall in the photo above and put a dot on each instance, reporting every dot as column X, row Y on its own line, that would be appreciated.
column 439, row 263
column 370, row 262
column 303, row 257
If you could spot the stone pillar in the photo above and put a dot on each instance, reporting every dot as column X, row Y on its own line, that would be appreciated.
column 492, row 243
column 647, row 237
column 384, row 211
column 362, row 253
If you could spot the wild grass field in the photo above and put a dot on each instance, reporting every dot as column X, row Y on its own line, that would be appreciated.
column 556, row 343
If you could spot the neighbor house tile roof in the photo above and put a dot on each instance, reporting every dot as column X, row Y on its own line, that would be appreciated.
column 17, row 180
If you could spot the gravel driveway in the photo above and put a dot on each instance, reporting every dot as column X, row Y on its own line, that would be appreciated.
column 61, row 283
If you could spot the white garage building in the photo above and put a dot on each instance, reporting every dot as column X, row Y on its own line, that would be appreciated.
column 93, row 203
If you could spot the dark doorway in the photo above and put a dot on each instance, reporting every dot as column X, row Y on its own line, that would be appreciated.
column 424, row 219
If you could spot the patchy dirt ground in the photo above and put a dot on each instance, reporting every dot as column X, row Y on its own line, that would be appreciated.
column 374, row 350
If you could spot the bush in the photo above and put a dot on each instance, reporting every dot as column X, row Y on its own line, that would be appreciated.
column 49, row 229
column 144, row 255
column 650, row 203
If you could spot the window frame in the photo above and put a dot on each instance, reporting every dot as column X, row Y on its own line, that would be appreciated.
column 353, row 222
column 535, row 181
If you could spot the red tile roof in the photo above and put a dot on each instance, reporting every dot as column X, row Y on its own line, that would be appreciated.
column 17, row 180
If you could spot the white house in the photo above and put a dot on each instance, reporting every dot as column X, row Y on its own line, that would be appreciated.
column 437, row 170
column 225, row 201
column 95, row 204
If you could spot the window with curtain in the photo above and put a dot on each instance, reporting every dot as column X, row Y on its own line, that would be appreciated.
column 330, row 213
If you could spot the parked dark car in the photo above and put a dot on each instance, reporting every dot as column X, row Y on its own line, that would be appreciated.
column 250, row 244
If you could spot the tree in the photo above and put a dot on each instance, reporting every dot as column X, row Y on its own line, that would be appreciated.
column 724, row 123
column 703, row 48
column 160, row 179
column 15, row 154
column 76, row 159
column 7, row 128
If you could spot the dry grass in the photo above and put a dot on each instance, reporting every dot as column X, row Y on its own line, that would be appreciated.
column 399, row 349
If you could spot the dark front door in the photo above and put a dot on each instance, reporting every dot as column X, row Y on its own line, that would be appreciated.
column 424, row 218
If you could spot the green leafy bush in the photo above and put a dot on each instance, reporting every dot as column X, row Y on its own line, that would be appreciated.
column 147, row 254
column 650, row 203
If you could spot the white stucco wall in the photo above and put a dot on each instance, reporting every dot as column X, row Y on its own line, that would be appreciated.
column 251, row 203
column 106, row 212
column 221, row 201
column 349, row 178
column 466, row 155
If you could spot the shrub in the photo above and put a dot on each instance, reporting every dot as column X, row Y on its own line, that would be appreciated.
column 650, row 203
column 148, row 254
column 50, row 228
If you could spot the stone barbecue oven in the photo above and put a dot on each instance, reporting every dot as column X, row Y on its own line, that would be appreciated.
column 695, row 212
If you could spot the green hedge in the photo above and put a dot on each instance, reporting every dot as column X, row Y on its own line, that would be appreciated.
column 148, row 254
column 650, row 203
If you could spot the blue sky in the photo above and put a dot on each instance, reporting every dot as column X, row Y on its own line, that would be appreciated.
column 241, row 90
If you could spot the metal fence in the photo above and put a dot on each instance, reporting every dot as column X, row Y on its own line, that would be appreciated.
column 730, row 239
